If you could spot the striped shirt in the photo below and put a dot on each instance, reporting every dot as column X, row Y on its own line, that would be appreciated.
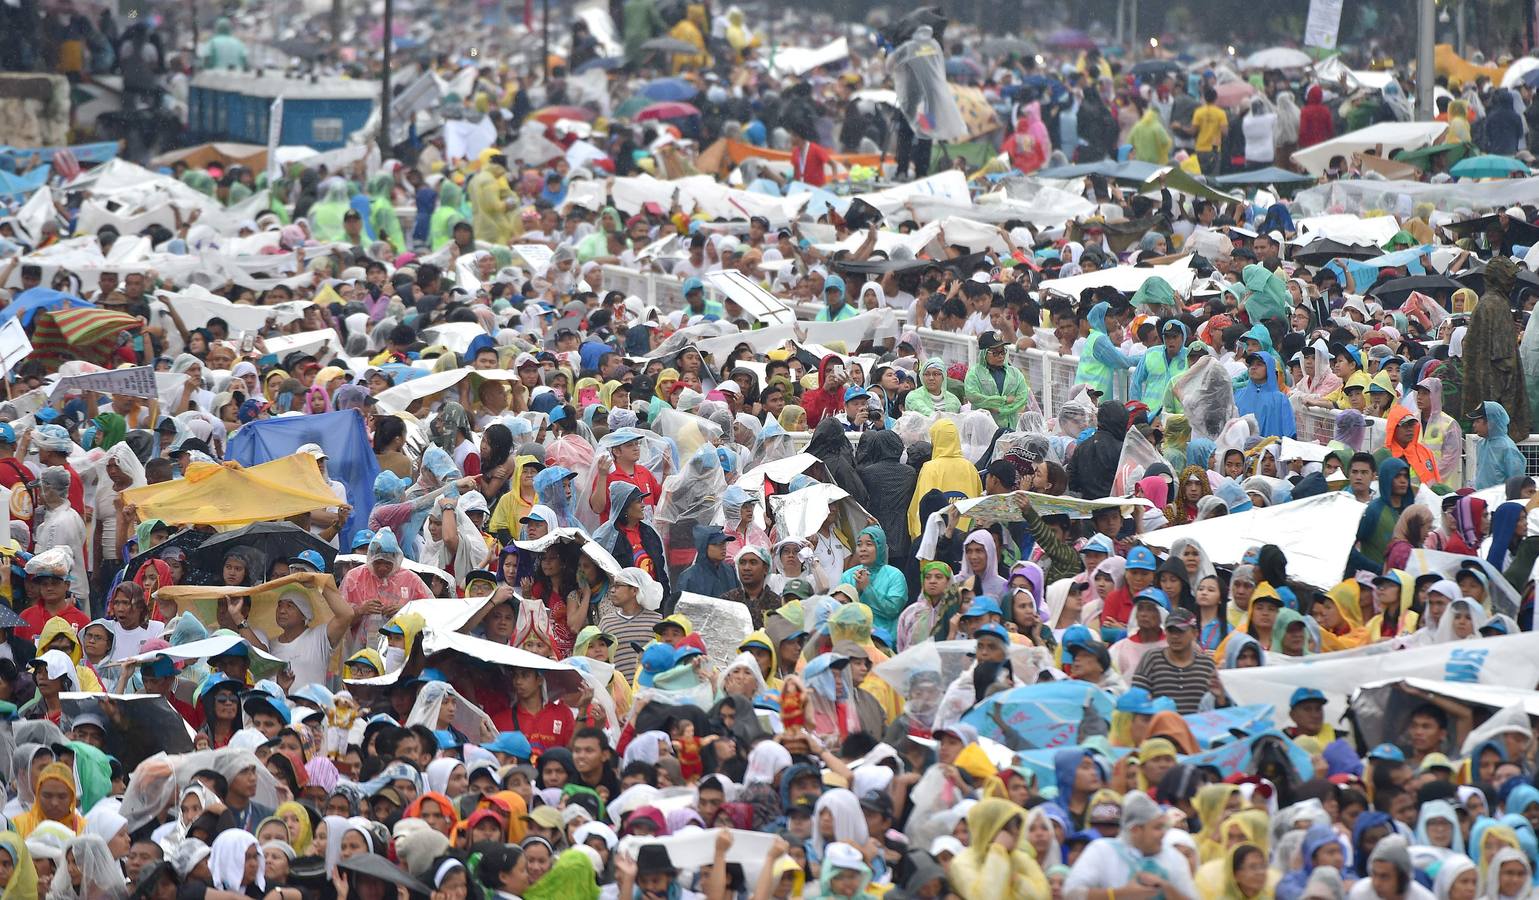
column 1185, row 685
column 627, row 630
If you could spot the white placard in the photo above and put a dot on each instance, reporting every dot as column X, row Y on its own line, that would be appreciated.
column 1324, row 21
column 136, row 382
column 274, row 137
column 536, row 256
column 14, row 344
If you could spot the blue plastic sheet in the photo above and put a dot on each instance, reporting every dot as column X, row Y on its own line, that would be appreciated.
column 349, row 456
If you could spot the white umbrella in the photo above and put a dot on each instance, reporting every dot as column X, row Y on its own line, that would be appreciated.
column 1278, row 58
column 1519, row 67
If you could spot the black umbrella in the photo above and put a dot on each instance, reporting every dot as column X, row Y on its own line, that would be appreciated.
column 143, row 727
column 1320, row 251
column 1394, row 291
column 1156, row 67
column 273, row 540
column 188, row 539
column 1475, row 279
column 373, row 865
column 904, row 28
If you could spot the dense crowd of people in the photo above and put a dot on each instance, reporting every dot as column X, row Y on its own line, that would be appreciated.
column 382, row 538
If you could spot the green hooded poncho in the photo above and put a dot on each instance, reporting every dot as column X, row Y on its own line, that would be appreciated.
column 1268, row 298
column 1155, row 291
column 447, row 214
column 984, row 392
column 571, row 878
column 387, row 227
column 199, row 180
column 326, row 216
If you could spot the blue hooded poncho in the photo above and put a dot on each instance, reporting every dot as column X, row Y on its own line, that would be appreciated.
column 887, row 592
column 846, row 311
column 550, row 487
column 705, row 576
column 1497, row 457
column 1274, row 415
column 1293, row 883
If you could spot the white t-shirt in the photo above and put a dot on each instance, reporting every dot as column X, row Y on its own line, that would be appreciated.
column 338, row 490
column 126, row 643
column 307, row 655
column 1108, row 864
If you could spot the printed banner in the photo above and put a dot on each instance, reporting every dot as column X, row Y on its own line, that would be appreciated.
column 136, row 382
column 1506, row 660
column 1006, row 507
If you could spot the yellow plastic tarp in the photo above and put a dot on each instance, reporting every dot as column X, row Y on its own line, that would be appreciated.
column 203, row 600
column 1456, row 68
column 228, row 494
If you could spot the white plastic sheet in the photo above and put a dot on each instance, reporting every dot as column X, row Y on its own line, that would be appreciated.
column 1316, row 533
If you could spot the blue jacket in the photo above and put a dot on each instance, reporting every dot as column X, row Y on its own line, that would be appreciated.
column 1267, row 403
column 1293, row 883
column 1497, row 458
column 887, row 592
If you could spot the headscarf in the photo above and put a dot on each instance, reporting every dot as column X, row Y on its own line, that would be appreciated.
column 227, row 861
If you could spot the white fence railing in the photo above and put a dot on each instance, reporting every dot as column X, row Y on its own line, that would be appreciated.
column 663, row 291
column 1319, row 426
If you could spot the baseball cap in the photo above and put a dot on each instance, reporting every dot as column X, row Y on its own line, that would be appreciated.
column 7, row 433
column 545, row 817
column 1142, row 558
column 797, row 587
column 1390, row 577
column 1305, row 695
column 1387, row 753
column 1154, row 595
column 511, row 743
column 362, row 537
column 854, row 392
column 657, row 659
column 315, row 450
column 993, row 630
column 988, row 341
column 1180, row 619
column 1428, row 763
column 983, row 606
column 1100, row 543
column 717, row 536
column 309, row 558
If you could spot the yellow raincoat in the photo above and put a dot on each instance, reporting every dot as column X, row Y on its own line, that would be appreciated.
column 986, row 870
column 947, row 470
column 491, row 215
column 56, row 627
column 28, row 821
column 1248, row 826
column 514, row 505
column 1344, row 596
column 1210, row 802
column 23, row 883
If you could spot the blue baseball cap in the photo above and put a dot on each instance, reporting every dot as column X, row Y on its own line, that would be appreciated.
column 1387, row 753
column 1305, row 695
column 685, row 652
column 362, row 537
column 983, row 606
column 1142, row 558
column 309, row 558
column 657, row 659
column 511, row 743
column 7, row 433
column 1154, row 595
column 159, row 667
column 992, row 630
column 46, row 414
column 447, row 739
column 1100, row 543
column 852, row 392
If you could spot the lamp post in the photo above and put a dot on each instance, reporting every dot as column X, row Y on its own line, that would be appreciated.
column 384, row 82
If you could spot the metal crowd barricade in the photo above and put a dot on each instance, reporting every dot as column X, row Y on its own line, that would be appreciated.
column 1052, row 378
column 1319, row 426
column 949, row 346
column 1529, row 447
column 628, row 281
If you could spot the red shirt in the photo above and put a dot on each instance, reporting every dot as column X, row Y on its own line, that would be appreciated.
column 641, row 478
column 36, row 617
column 1118, row 606
column 551, row 727
column 809, row 164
